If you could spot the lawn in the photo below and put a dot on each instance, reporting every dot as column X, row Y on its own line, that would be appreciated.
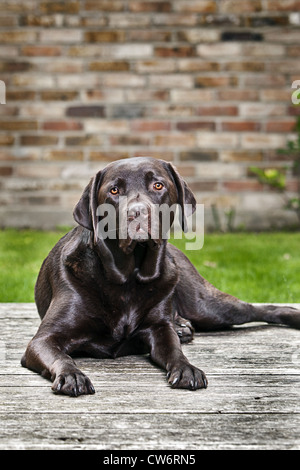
column 262, row 267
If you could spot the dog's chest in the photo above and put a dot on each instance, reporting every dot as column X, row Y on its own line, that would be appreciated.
column 127, row 309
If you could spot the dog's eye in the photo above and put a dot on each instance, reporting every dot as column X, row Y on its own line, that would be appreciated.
column 114, row 190
column 158, row 186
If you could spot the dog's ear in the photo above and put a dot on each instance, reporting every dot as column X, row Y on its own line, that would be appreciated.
column 186, row 199
column 86, row 208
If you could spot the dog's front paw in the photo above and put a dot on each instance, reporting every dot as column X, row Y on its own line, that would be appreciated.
column 186, row 376
column 73, row 383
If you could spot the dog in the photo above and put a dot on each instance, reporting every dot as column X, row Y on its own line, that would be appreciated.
column 112, row 296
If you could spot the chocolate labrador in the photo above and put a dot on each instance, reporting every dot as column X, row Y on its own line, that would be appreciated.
column 105, row 295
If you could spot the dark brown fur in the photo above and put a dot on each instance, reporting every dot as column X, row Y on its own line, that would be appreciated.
column 108, row 298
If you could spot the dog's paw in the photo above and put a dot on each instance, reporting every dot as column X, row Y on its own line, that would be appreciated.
column 73, row 384
column 184, row 329
column 187, row 376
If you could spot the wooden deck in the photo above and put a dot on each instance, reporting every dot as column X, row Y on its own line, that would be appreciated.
column 252, row 400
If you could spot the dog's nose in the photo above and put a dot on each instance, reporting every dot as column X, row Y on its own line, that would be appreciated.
column 137, row 209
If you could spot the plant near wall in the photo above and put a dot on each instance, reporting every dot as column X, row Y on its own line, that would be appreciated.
column 276, row 178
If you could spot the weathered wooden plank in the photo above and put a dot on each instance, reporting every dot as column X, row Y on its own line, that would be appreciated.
column 252, row 401
column 174, row 431
column 155, row 398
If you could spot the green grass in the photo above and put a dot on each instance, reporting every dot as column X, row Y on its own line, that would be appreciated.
column 21, row 255
column 261, row 267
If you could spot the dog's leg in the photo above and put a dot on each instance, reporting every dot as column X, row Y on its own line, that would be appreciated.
column 210, row 309
column 44, row 355
column 47, row 352
column 165, row 350
column 207, row 308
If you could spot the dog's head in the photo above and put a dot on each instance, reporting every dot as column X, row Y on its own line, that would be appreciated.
column 129, row 201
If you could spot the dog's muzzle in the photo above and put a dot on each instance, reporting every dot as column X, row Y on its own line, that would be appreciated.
column 139, row 221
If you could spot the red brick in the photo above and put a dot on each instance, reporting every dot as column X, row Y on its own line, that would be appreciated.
column 293, row 51
column 64, row 155
column 245, row 66
column 20, row 95
column 104, row 5
column 144, row 6
column 18, row 125
column 145, row 95
column 85, row 140
column 173, row 51
column 56, row 95
column 38, row 200
column 292, row 111
column 9, row 110
column 6, row 170
column 186, row 170
column 203, row 186
column 155, row 66
column 108, row 156
column 38, row 140
column 86, row 111
column 247, row 185
column 283, row 5
column 264, row 80
column 175, row 140
column 150, row 126
column 217, row 110
column 199, row 155
column 62, row 126
column 104, row 36
column 43, row 51
column 21, row 37
column 195, row 125
column 105, row 66
column 6, row 140
column 130, row 140
column 45, row 21
column 165, row 155
column 238, row 95
column 242, row 126
column 191, row 96
column 241, row 156
column 216, row 81
column 292, row 185
column 280, row 126
column 276, row 95
column 236, row 6
column 170, row 110
column 149, row 36
column 11, row 67
column 60, row 7
column 8, row 21
column 197, row 65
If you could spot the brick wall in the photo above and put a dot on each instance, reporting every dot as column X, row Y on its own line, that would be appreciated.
column 205, row 84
